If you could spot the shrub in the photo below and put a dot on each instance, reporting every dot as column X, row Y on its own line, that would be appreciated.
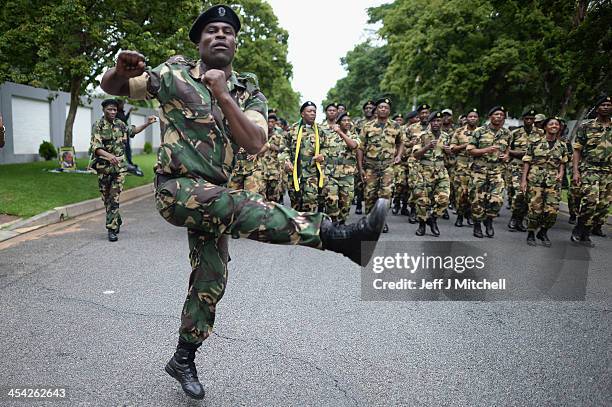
column 148, row 148
column 47, row 151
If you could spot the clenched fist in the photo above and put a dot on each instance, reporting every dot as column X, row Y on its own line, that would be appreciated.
column 216, row 82
column 130, row 64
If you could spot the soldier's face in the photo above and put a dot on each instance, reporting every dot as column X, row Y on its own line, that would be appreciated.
column 309, row 114
column 271, row 124
column 110, row 112
column 447, row 119
column 553, row 127
column 217, row 45
column 399, row 120
column 423, row 115
column 528, row 121
column 341, row 109
column 345, row 123
column 436, row 124
column 368, row 110
column 497, row 118
column 383, row 110
column 605, row 109
column 331, row 113
column 472, row 119
column 415, row 119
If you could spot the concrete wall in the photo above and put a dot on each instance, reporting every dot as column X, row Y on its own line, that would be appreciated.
column 33, row 115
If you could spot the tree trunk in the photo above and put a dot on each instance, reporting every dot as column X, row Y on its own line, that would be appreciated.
column 75, row 93
column 581, row 114
column 567, row 96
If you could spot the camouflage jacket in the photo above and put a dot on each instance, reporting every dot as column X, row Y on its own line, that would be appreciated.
column 340, row 160
column 412, row 134
column 306, row 165
column 378, row 141
column 595, row 143
column 197, row 141
column 520, row 139
column 244, row 166
column 358, row 125
column 462, row 136
column 271, row 160
column 433, row 155
column 544, row 160
column 110, row 137
column 487, row 136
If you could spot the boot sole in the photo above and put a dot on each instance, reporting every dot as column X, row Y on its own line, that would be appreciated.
column 378, row 216
column 170, row 370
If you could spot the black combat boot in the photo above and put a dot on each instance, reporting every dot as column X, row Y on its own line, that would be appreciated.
column 404, row 211
column 531, row 238
column 412, row 218
column 477, row 229
column 468, row 217
column 421, row 230
column 445, row 214
column 512, row 224
column 433, row 226
column 112, row 235
column 396, row 206
column 519, row 225
column 182, row 368
column 346, row 239
column 586, row 237
column 459, row 221
column 598, row 231
column 576, row 236
column 358, row 210
column 572, row 219
column 489, row 227
column 544, row 237
column 385, row 228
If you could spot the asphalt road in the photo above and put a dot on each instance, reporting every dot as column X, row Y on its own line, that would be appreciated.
column 100, row 319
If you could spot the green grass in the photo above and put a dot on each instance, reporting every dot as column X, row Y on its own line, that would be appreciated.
column 29, row 189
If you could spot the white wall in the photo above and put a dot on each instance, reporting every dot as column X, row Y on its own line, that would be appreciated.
column 138, row 140
column 31, row 121
column 156, row 134
column 81, row 131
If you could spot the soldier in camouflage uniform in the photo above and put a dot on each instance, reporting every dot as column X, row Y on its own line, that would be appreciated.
column 450, row 160
column 488, row 147
column 592, row 171
column 340, row 164
column 544, row 168
column 271, row 164
column 107, row 149
column 461, row 180
column 381, row 145
column 433, row 189
column 518, row 146
column 368, row 114
column 306, row 155
column 400, row 171
column 209, row 112
column 247, row 173
column 413, row 132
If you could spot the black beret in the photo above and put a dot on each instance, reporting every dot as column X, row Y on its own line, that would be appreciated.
column 472, row 110
column 369, row 102
column 411, row 115
column 341, row 104
column 383, row 100
column 423, row 107
column 273, row 110
column 603, row 99
column 334, row 104
column 496, row 109
column 306, row 104
column 220, row 13
column 398, row 115
column 434, row 115
column 272, row 116
column 107, row 102
column 529, row 112
column 342, row 116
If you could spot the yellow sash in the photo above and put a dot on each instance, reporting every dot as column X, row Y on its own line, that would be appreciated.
column 296, row 178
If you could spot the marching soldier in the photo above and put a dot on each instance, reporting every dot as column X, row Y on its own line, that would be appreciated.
column 488, row 147
column 461, row 181
column 271, row 164
column 399, row 119
column 247, row 173
column 368, row 114
column 413, row 132
column 592, row 171
column 381, row 145
column 108, row 139
column 450, row 160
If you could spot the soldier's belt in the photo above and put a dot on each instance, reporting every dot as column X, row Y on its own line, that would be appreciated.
column 369, row 163
column 432, row 163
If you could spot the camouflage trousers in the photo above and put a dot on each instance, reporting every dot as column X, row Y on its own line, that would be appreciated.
column 519, row 200
column 110, row 186
column 378, row 184
column 573, row 197
column 486, row 194
column 272, row 189
column 400, row 181
column 211, row 213
column 543, row 206
column 596, row 195
column 461, row 185
column 307, row 198
column 413, row 178
column 451, row 169
column 432, row 191
column 511, row 191
column 358, row 188
column 338, row 195
column 252, row 182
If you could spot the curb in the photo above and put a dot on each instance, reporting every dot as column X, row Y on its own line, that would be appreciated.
column 62, row 213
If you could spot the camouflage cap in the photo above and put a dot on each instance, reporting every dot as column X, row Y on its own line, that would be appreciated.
column 447, row 111
column 217, row 13
column 539, row 117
